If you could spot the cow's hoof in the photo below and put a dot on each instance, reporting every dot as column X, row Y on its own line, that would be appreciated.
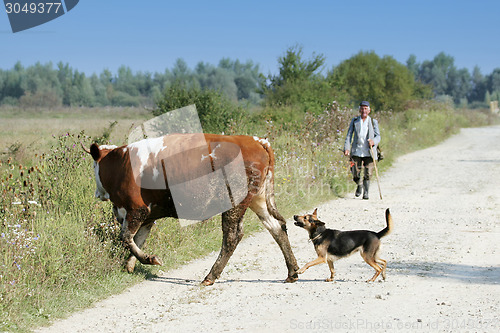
column 155, row 260
column 292, row 279
column 207, row 282
column 129, row 269
column 130, row 264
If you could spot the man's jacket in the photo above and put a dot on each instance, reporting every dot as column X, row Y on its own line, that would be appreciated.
column 353, row 134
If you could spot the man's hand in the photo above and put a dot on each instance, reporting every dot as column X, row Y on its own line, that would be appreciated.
column 371, row 143
column 346, row 152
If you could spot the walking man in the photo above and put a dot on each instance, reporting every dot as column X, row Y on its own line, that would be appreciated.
column 363, row 133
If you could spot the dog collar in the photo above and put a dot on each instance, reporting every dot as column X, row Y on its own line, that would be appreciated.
column 315, row 237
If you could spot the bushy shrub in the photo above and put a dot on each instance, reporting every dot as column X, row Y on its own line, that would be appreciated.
column 214, row 109
column 124, row 99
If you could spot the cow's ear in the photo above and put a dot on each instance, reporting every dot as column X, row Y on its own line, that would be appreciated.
column 95, row 151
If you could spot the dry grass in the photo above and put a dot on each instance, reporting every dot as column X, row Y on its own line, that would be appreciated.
column 25, row 132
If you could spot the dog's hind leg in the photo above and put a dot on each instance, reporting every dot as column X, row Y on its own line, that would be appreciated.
column 369, row 254
column 382, row 263
column 371, row 261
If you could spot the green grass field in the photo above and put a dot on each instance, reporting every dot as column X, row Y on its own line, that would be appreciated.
column 59, row 247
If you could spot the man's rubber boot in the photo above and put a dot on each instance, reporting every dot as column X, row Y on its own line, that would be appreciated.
column 359, row 190
column 366, row 186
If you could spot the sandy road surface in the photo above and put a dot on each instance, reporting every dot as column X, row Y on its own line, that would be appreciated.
column 443, row 257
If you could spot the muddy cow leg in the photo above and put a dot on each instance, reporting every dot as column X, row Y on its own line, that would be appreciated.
column 139, row 239
column 134, row 220
column 277, row 228
column 281, row 237
column 232, row 233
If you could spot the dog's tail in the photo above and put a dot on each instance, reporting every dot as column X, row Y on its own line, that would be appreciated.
column 387, row 230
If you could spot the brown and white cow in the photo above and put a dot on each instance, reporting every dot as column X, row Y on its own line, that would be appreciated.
column 147, row 180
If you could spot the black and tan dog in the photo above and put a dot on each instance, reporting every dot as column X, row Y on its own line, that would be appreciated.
column 331, row 245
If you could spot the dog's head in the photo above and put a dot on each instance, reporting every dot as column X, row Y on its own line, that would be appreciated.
column 309, row 222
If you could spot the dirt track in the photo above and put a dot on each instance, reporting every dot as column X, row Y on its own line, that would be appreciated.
column 443, row 270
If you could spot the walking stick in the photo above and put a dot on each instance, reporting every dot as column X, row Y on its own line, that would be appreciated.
column 376, row 171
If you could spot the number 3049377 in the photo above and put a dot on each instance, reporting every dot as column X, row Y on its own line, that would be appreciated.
column 32, row 8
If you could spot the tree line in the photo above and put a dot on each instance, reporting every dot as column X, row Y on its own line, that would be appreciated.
column 42, row 85
column 462, row 86
column 387, row 83
column 384, row 81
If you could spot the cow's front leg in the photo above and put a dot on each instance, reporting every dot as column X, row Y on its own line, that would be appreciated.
column 133, row 223
column 139, row 239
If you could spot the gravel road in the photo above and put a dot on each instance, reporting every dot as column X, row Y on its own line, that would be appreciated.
column 443, row 271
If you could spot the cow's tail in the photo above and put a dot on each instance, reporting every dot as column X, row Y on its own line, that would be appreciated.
column 387, row 230
column 269, row 186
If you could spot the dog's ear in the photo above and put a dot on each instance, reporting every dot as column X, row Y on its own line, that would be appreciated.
column 315, row 213
column 319, row 223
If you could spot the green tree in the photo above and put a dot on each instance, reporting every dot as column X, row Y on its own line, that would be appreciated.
column 246, row 87
column 125, row 81
column 437, row 72
column 15, row 82
column 99, row 91
column 65, row 76
column 494, row 80
column 85, row 92
column 299, row 82
column 182, row 75
column 144, row 83
column 460, row 85
column 160, row 79
column 384, row 82
column 294, row 69
column 216, row 78
column 479, row 86
column 447, row 80
column 413, row 65
column 246, row 77
column 106, row 78
column 43, row 78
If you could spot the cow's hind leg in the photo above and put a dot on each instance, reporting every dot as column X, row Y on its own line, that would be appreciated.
column 139, row 239
column 134, row 220
column 232, row 233
column 277, row 228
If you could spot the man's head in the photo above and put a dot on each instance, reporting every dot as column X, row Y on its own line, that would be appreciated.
column 364, row 109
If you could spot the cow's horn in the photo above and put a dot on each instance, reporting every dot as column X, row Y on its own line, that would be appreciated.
column 85, row 149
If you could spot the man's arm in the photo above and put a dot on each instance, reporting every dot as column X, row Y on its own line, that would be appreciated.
column 347, row 143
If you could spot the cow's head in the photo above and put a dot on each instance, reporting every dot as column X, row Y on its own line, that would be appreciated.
column 98, row 153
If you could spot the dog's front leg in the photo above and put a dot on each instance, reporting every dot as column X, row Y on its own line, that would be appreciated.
column 317, row 261
column 332, row 271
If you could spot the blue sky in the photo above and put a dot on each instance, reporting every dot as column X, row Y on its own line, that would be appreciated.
column 151, row 35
